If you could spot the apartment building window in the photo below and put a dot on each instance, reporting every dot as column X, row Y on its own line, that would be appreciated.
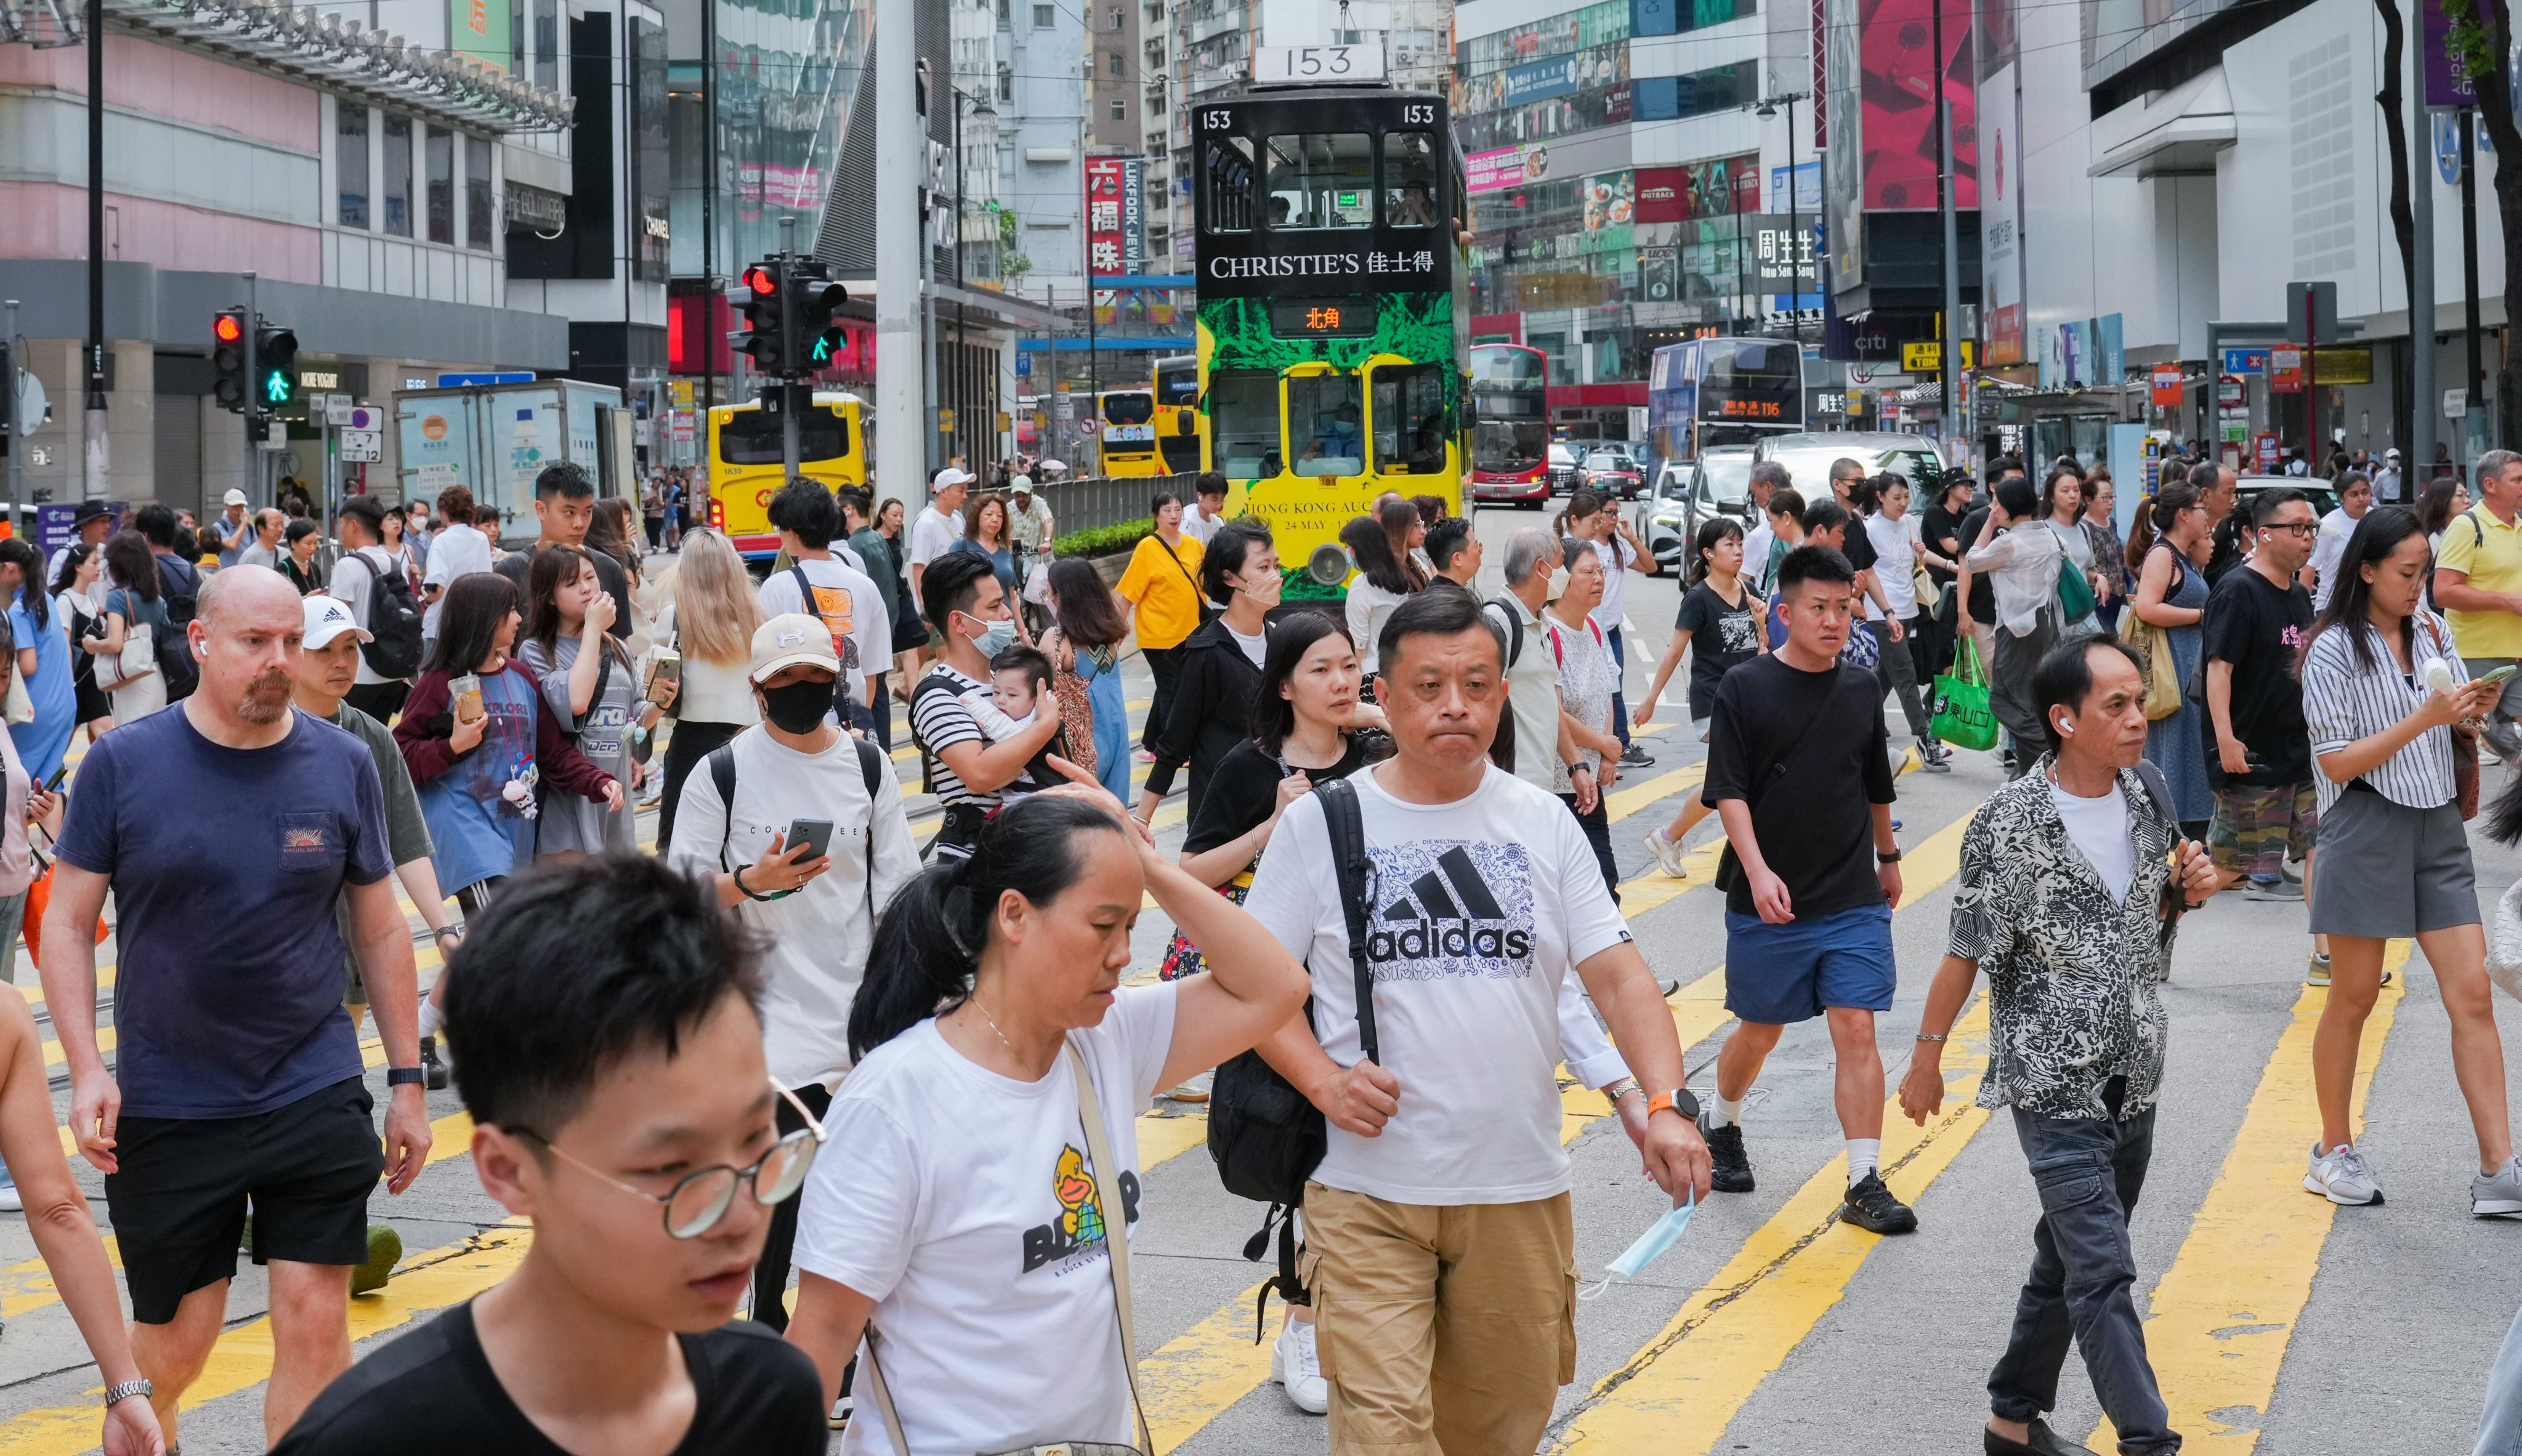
column 1044, row 17
column 1120, row 110
column 440, row 157
column 548, row 44
column 1114, row 24
column 394, row 187
column 350, row 163
column 477, row 193
column 1112, row 63
column 1006, row 82
column 1004, row 22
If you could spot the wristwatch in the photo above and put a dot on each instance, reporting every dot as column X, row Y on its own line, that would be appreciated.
column 1879, row 857
column 405, row 1076
column 117, row 1394
column 1621, row 1089
column 1680, row 1099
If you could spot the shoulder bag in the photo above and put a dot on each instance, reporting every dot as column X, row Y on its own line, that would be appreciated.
column 1265, row 1138
column 1198, row 597
column 2074, row 593
column 138, row 657
column 2161, row 668
column 1116, row 1246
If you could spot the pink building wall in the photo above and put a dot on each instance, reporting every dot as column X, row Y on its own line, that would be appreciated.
column 48, row 220
column 161, row 80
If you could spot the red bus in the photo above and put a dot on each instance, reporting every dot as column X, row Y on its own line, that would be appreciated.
column 1510, row 424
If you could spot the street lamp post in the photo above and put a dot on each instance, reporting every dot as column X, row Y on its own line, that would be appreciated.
column 1795, row 216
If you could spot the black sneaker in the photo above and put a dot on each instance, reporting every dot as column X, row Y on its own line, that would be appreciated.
column 2044, row 1442
column 1871, row 1207
column 430, row 1064
column 1732, row 1173
column 1636, row 757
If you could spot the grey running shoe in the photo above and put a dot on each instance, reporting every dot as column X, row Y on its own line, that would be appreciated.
column 2342, row 1176
column 2272, row 889
column 2497, row 1192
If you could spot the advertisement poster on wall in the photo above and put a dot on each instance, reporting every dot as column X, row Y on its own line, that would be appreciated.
column 1717, row 188
column 1610, row 206
column 1900, row 77
column 2001, row 268
column 1115, row 242
column 1507, row 167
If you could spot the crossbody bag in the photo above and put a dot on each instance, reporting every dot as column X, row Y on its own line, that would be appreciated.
column 1116, row 1244
column 1729, row 866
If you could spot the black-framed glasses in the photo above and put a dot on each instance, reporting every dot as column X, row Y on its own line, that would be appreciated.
column 2298, row 528
column 700, row 1199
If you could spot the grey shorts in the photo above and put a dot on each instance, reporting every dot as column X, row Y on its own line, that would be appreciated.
column 2385, row 870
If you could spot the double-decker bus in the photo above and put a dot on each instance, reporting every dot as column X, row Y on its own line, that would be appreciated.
column 1126, row 433
column 1510, row 423
column 1708, row 391
column 747, row 466
column 1333, row 326
column 1180, row 430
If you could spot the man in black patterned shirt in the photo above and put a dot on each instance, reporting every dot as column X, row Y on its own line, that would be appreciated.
column 2076, row 1030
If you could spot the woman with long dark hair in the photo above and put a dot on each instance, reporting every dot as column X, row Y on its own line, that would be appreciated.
column 1720, row 626
column 42, row 659
column 2444, row 500
column 2164, row 548
column 133, row 602
column 80, row 605
column 992, row 1026
column 2383, row 693
column 1084, row 644
column 1221, row 664
column 590, row 689
column 1405, row 533
column 1385, row 581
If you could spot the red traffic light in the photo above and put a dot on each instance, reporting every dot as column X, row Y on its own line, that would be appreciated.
column 760, row 280
column 228, row 329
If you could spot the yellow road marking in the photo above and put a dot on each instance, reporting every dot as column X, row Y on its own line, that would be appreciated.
column 2226, row 1308
column 1678, row 1393
column 241, row 1359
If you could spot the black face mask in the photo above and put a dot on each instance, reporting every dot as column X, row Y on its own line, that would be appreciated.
column 798, row 706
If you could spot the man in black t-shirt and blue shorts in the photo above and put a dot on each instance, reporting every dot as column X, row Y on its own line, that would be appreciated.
column 1799, row 769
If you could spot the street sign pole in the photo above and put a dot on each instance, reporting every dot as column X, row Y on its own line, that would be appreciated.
column 252, row 412
column 791, row 450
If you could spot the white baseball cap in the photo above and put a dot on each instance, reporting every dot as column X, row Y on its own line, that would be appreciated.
column 327, row 618
column 790, row 639
column 234, row 498
column 950, row 476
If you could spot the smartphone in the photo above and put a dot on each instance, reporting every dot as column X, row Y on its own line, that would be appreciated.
column 668, row 667
column 2499, row 675
column 60, row 775
column 468, row 696
column 814, row 833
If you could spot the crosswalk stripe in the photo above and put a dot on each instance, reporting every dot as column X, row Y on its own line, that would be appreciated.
column 2227, row 1310
column 1677, row 1394
column 241, row 1358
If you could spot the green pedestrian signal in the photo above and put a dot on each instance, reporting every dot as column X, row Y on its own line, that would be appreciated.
column 277, row 388
column 275, row 365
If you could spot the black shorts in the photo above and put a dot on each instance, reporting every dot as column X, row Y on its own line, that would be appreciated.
column 178, row 1205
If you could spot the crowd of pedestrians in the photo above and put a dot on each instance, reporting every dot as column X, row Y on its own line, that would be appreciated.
column 1396, row 903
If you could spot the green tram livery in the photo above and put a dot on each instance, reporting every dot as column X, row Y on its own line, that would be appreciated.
column 1333, row 329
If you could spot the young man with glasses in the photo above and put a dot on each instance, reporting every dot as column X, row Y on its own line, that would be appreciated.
column 625, row 1109
column 2259, row 758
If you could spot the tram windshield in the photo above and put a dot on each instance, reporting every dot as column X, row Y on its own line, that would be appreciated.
column 1319, row 180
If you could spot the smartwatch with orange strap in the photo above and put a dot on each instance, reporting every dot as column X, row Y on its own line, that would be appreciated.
column 1680, row 1099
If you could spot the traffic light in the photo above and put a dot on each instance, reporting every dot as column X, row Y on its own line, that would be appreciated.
column 765, row 304
column 227, row 360
column 819, row 305
column 275, row 368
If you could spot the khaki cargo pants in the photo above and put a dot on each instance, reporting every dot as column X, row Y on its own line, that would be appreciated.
column 1444, row 1332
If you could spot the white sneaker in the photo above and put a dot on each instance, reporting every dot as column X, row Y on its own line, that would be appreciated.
column 2497, row 1194
column 2342, row 1176
column 1294, row 1365
column 11, row 1200
column 1667, row 855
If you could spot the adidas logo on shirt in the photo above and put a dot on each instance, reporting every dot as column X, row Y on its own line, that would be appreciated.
column 1466, row 910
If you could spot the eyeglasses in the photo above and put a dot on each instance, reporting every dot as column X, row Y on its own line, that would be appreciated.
column 2295, row 527
column 699, row 1199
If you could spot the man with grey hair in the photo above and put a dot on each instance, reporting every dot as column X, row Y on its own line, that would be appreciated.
column 237, row 1076
column 1541, row 738
column 2478, row 581
column 1768, row 478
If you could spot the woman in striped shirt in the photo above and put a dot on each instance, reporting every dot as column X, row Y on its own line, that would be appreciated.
column 2381, row 695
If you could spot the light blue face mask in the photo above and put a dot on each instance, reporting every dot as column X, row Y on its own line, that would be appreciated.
column 1000, row 637
column 1659, row 1236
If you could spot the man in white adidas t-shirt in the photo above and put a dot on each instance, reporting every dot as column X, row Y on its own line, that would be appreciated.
column 1444, row 1150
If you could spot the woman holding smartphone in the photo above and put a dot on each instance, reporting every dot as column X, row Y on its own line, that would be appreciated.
column 591, row 690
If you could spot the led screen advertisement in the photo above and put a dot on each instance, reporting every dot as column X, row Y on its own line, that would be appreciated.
column 1899, row 74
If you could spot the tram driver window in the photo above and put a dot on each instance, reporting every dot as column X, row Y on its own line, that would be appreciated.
column 1227, row 164
column 1243, row 421
column 1326, row 424
column 1410, row 191
column 1322, row 180
column 1410, row 419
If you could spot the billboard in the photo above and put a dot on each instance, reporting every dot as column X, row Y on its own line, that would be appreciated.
column 1718, row 187
column 480, row 28
column 1116, row 239
column 1507, row 167
column 2000, row 217
column 1538, row 81
column 1899, row 77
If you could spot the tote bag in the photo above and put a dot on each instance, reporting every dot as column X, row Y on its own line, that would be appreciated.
column 1963, row 718
column 2162, row 671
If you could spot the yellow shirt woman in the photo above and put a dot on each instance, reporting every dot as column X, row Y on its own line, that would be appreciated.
column 1160, row 582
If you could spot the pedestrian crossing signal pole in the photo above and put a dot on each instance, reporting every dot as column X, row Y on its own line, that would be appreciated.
column 792, row 396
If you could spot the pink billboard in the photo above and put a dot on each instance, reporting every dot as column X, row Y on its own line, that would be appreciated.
column 1895, row 45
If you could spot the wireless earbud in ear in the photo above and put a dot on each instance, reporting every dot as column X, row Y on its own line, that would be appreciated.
column 2067, row 730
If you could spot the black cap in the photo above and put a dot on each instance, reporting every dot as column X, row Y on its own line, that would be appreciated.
column 90, row 510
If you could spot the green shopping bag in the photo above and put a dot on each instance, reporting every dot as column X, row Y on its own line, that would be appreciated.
column 1962, row 715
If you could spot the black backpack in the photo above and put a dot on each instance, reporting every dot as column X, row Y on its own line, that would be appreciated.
column 180, row 591
column 721, row 768
column 1264, row 1136
column 393, row 619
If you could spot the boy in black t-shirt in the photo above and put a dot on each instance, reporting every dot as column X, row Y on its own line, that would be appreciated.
column 1799, row 769
column 625, row 1109
column 2259, row 750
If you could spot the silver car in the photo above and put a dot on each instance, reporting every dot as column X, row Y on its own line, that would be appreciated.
column 1808, row 456
column 1687, row 492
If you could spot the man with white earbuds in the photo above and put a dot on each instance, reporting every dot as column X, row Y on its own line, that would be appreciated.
column 2075, row 1029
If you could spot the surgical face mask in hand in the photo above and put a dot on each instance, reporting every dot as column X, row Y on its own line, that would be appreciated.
column 1662, row 1234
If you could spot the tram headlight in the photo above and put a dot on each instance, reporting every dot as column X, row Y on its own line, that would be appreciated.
column 1328, row 565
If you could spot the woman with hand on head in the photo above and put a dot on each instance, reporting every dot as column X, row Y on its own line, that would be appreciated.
column 991, row 1029
column 591, row 690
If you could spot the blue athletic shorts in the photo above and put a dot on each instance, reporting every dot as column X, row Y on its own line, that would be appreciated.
column 1778, row 975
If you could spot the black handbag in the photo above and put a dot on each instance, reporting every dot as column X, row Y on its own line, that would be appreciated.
column 1265, row 1136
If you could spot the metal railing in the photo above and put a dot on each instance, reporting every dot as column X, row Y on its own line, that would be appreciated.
column 1109, row 500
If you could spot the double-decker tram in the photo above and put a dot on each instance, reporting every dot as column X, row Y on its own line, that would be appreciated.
column 1333, row 322
column 1180, row 430
column 1510, row 423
